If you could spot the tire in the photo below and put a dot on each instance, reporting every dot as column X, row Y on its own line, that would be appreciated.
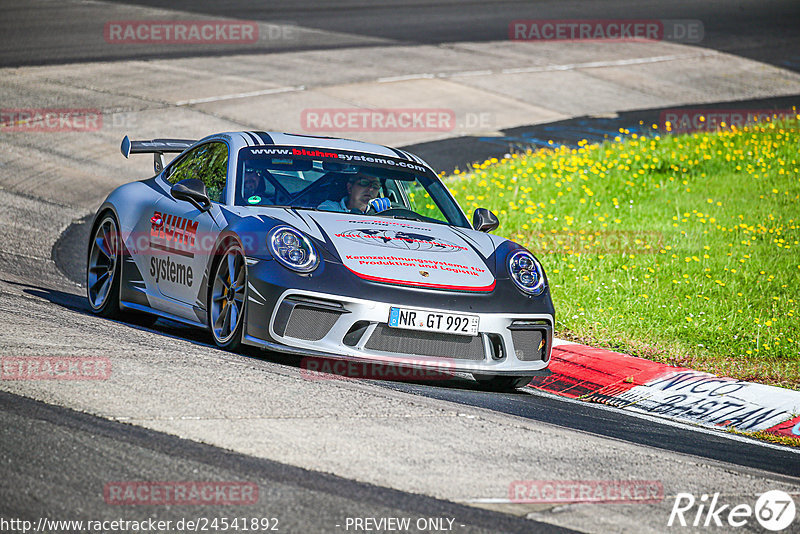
column 225, row 307
column 501, row 383
column 103, row 267
column 105, row 261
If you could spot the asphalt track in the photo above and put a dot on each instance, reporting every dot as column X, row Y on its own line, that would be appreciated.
column 29, row 35
column 69, row 252
column 77, row 454
column 56, row 460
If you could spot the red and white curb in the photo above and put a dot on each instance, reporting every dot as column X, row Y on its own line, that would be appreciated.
column 678, row 393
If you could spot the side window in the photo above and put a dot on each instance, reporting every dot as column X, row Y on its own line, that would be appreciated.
column 209, row 163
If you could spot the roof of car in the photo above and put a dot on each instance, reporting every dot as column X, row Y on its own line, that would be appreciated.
column 256, row 138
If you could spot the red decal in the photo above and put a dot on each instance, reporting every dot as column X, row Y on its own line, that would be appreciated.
column 790, row 428
column 485, row 289
column 313, row 153
column 173, row 228
column 156, row 223
column 189, row 232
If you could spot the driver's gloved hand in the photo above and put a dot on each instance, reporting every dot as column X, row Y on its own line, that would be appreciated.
column 380, row 204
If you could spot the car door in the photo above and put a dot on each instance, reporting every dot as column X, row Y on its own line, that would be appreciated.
column 183, row 236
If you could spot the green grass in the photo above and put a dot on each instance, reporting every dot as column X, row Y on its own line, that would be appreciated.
column 788, row 441
column 681, row 249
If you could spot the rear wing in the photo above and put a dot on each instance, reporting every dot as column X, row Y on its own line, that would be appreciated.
column 157, row 147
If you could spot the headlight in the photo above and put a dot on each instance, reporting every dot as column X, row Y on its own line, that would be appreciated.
column 292, row 249
column 526, row 272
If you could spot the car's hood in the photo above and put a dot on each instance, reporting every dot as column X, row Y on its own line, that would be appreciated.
column 405, row 252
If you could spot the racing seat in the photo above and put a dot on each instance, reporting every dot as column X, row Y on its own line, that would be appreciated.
column 333, row 188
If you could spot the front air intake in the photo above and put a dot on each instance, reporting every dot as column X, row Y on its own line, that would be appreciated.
column 306, row 319
column 531, row 340
column 432, row 344
column 310, row 324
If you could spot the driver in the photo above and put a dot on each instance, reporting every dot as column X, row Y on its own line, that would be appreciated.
column 253, row 184
column 362, row 193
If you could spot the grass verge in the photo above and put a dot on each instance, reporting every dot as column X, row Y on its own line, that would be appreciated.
column 787, row 441
column 681, row 249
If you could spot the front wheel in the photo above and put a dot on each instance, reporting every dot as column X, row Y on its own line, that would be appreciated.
column 502, row 383
column 226, row 297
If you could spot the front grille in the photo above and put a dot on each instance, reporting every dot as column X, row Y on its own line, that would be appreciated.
column 528, row 344
column 310, row 324
column 413, row 342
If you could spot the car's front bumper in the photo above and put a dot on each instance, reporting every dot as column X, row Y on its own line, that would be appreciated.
column 313, row 323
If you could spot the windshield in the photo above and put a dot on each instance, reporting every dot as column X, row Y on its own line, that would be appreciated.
column 321, row 181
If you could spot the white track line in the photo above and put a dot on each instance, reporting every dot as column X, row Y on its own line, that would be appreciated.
column 234, row 96
column 549, row 68
column 20, row 255
column 562, row 503
column 614, row 63
column 406, row 77
column 464, row 74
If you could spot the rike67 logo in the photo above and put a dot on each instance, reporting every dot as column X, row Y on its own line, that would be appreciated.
column 774, row 511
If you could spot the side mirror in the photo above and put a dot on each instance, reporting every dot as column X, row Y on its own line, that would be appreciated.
column 484, row 220
column 192, row 190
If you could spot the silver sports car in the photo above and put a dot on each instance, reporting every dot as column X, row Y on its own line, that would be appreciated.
column 320, row 247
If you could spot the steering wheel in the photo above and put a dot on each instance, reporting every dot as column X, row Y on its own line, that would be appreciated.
column 402, row 213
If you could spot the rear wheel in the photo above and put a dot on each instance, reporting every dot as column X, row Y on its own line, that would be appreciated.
column 226, row 297
column 103, row 267
column 502, row 383
column 103, row 273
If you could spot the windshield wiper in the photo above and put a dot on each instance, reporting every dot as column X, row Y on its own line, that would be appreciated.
column 285, row 206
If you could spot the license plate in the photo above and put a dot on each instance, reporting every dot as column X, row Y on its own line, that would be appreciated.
column 434, row 321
